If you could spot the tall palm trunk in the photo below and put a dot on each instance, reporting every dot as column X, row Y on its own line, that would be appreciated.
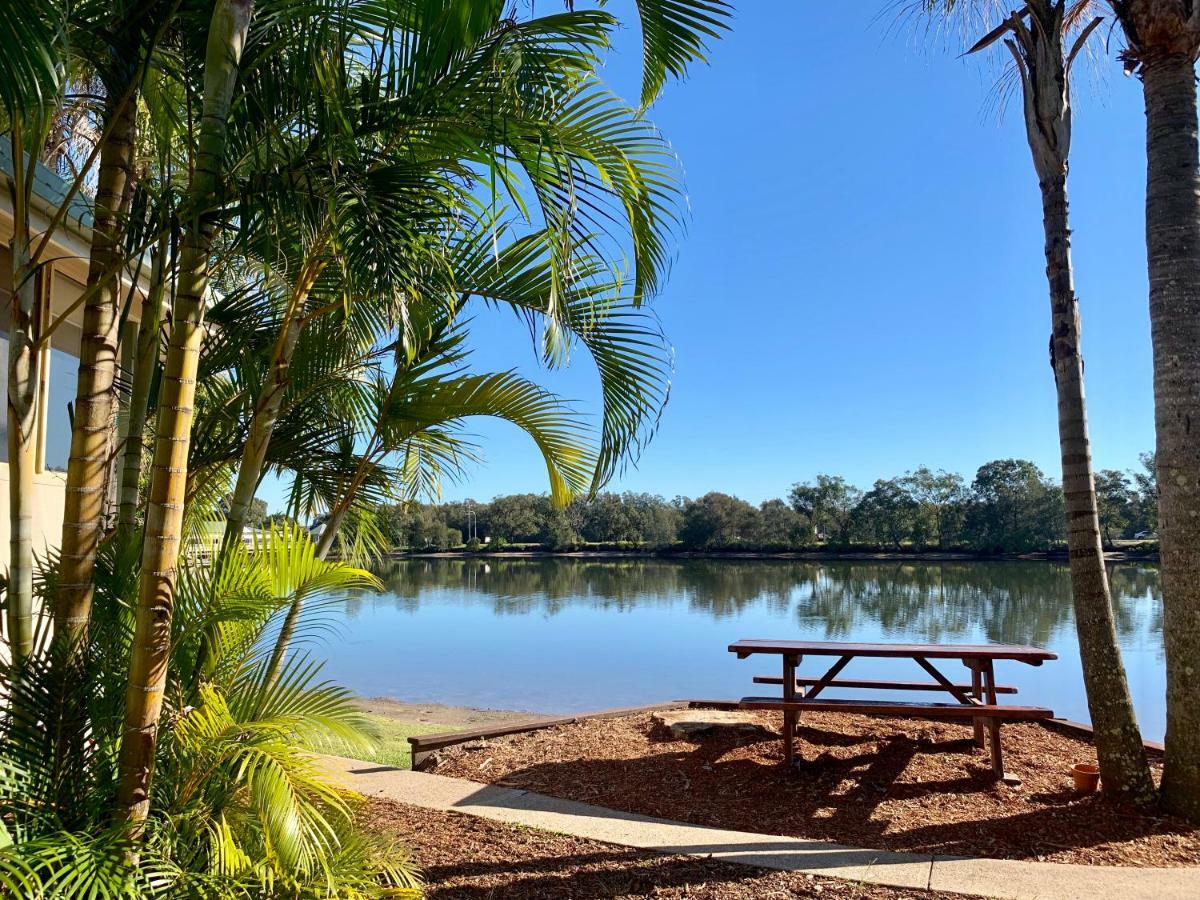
column 145, row 362
column 89, row 466
column 1173, row 248
column 168, row 488
column 1119, row 747
column 1044, row 69
column 266, row 410
column 23, row 363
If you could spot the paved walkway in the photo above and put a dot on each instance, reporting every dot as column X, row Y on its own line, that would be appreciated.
column 1005, row 878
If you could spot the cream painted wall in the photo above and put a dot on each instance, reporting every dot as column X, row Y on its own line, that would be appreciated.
column 69, row 249
column 49, row 498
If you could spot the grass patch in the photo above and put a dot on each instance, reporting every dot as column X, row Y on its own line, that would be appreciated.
column 393, row 740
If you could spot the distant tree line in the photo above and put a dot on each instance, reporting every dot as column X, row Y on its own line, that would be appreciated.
column 1009, row 506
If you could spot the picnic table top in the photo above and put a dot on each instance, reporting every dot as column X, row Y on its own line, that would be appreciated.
column 1034, row 656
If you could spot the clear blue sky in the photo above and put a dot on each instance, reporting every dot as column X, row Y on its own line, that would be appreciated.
column 861, row 288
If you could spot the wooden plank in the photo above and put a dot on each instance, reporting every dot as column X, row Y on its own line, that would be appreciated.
column 869, row 684
column 902, row 709
column 1083, row 730
column 1034, row 656
column 826, row 678
column 959, row 695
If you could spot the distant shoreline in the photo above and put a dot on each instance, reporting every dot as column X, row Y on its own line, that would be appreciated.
column 1148, row 556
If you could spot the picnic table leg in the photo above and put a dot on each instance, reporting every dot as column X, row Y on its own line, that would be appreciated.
column 789, row 716
column 977, row 693
column 989, row 683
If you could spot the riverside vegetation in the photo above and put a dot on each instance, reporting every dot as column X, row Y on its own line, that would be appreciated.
column 1010, row 506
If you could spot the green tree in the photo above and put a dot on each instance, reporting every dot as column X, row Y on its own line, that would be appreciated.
column 516, row 518
column 1117, row 503
column 607, row 517
column 886, row 514
column 1146, row 480
column 1013, row 508
column 827, row 505
column 939, row 496
column 718, row 520
column 779, row 525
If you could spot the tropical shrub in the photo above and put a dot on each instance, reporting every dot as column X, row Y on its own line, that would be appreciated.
column 242, row 806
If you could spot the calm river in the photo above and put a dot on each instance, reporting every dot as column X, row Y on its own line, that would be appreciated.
column 567, row 635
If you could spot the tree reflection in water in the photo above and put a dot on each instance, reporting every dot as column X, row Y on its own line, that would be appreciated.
column 1008, row 602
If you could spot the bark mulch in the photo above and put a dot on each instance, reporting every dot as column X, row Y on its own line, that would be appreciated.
column 884, row 783
column 466, row 858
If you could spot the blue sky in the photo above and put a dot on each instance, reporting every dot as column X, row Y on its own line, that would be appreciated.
column 861, row 288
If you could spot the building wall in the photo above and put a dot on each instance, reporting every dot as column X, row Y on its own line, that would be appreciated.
column 49, row 499
column 69, row 251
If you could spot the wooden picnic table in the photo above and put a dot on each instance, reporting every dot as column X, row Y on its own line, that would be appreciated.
column 976, row 700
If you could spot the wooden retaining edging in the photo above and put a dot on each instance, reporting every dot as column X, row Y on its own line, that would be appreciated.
column 1080, row 729
column 422, row 745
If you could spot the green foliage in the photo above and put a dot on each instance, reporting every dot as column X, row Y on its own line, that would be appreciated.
column 240, row 807
column 827, row 505
column 1010, row 507
column 718, row 520
column 1014, row 508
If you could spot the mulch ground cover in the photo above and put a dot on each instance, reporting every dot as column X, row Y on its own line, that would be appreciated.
column 870, row 782
column 467, row 858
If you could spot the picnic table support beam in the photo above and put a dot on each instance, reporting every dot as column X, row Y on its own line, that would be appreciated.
column 827, row 677
column 790, row 661
column 989, row 685
column 977, row 692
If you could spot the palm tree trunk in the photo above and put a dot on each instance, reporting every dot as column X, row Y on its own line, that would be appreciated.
column 164, row 516
column 266, row 411
column 144, row 364
column 1122, row 755
column 1044, row 70
column 23, row 361
column 1173, row 248
column 91, row 437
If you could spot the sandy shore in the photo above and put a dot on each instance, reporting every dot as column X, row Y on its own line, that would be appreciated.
column 452, row 717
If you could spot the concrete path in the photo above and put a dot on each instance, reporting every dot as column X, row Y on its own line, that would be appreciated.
column 1014, row 879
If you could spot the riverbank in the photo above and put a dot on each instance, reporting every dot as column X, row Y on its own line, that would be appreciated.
column 396, row 720
column 865, row 555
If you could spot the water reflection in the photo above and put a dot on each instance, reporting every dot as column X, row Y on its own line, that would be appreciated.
column 566, row 634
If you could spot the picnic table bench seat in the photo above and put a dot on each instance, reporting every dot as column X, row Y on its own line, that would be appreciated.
column 902, row 708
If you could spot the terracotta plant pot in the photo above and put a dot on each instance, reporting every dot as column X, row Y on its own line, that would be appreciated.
column 1087, row 777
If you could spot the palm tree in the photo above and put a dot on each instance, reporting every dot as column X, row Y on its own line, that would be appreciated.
column 415, row 414
column 164, row 517
column 31, row 97
column 468, row 39
column 114, row 42
column 1163, row 42
column 1034, row 35
column 613, row 158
